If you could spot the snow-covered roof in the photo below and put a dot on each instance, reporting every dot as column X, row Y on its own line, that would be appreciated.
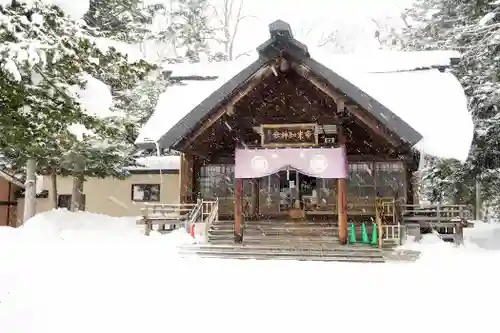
column 156, row 163
column 12, row 179
column 433, row 102
column 406, row 83
column 200, row 69
column 180, row 99
column 387, row 61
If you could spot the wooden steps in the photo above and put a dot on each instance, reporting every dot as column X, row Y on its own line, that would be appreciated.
column 286, row 240
column 354, row 254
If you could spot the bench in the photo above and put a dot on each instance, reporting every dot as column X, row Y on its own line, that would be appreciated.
column 456, row 227
column 162, row 223
column 166, row 217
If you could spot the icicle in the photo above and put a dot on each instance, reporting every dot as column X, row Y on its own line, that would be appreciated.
column 158, row 153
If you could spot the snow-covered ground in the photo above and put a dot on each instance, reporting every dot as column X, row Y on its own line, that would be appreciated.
column 81, row 272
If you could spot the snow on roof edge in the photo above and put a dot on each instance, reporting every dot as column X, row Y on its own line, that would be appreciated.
column 12, row 179
column 170, row 162
column 379, row 63
column 185, row 97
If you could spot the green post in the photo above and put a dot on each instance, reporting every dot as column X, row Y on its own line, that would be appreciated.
column 374, row 235
column 364, row 234
column 352, row 234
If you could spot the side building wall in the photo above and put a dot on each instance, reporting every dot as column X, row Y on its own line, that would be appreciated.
column 113, row 197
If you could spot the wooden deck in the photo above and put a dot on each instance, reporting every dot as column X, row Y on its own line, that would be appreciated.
column 447, row 220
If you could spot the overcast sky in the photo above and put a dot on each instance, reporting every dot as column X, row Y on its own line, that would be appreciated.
column 313, row 20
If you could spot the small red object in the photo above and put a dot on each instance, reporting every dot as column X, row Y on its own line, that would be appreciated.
column 191, row 230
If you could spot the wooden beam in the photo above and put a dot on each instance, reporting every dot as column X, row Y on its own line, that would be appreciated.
column 305, row 73
column 340, row 98
column 372, row 124
column 229, row 105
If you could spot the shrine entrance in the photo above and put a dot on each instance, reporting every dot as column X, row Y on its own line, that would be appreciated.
column 297, row 191
column 297, row 171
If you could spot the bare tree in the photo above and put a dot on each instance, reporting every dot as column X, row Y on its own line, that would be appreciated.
column 230, row 17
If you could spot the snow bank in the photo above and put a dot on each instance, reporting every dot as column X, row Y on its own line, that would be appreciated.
column 484, row 235
column 61, row 223
column 64, row 225
column 140, row 284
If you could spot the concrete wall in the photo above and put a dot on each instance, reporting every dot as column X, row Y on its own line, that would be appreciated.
column 112, row 196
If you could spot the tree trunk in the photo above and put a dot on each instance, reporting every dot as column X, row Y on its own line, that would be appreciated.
column 478, row 201
column 76, row 194
column 30, row 190
column 53, row 190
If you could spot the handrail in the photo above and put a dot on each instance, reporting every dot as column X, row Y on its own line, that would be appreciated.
column 193, row 215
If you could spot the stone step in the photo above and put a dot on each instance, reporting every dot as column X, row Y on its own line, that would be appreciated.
column 335, row 247
column 245, row 256
column 221, row 231
column 355, row 253
column 315, row 238
column 288, row 224
column 284, row 243
column 309, row 234
column 279, row 223
column 221, row 241
column 222, row 226
column 221, row 237
column 266, row 252
column 291, row 228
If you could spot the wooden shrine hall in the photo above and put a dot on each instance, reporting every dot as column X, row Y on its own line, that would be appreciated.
column 288, row 138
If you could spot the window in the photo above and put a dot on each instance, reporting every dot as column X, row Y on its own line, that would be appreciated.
column 217, row 180
column 64, row 201
column 361, row 182
column 390, row 178
column 145, row 192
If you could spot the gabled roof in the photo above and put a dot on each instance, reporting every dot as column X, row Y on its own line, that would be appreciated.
column 11, row 179
column 282, row 42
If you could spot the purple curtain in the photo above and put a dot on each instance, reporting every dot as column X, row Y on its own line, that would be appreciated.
column 315, row 162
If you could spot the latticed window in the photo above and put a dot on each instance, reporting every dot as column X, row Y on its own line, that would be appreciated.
column 361, row 182
column 390, row 179
column 217, row 180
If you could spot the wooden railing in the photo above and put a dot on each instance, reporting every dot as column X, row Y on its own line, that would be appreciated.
column 213, row 216
column 448, row 221
column 435, row 213
column 174, row 215
column 389, row 228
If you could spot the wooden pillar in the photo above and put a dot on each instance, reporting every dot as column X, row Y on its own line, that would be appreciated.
column 186, row 179
column 409, row 185
column 342, row 185
column 238, row 215
column 342, row 210
column 255, row 198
